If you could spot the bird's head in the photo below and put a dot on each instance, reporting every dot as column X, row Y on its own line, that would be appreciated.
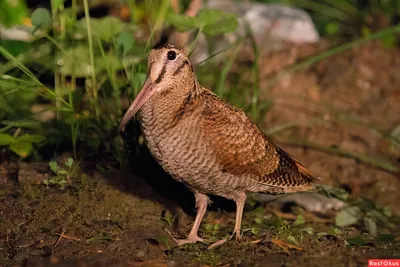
column 168, row 65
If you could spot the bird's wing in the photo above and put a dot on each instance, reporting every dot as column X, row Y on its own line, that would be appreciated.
column 243, row 149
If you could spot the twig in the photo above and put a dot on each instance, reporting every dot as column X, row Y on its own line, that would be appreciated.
column 60, row 237
column 381, row 163
column 63, row 235
column 285, row 246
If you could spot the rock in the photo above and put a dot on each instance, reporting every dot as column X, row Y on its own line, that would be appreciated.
column 141, row 254
column 310, row 201
column 16, row 33
column 270, row 24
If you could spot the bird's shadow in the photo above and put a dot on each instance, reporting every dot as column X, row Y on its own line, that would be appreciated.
column 147, row 179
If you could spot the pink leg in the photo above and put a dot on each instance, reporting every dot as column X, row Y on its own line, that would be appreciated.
column 201, row 204
column 240, row 201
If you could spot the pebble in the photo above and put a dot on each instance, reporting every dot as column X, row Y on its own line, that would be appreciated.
column 18, row 220
column 141, row 254
column 24, row 242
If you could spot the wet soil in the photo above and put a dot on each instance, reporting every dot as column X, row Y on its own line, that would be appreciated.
column 115, row 218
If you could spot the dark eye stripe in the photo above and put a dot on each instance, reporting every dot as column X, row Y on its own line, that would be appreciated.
column 162, row 73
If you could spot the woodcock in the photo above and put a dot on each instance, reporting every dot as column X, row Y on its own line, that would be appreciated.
column 206, row 143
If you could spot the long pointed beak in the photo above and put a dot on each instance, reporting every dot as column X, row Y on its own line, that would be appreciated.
column 148, row 90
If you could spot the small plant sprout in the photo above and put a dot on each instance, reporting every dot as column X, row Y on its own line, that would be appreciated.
column 62, row 175
column 169, row 219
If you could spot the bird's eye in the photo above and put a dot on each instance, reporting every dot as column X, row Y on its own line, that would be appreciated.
column 171, row 55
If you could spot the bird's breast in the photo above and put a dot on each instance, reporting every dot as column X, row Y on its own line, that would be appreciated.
column 181, row 149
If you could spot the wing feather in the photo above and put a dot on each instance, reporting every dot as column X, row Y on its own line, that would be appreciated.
column 242, row 148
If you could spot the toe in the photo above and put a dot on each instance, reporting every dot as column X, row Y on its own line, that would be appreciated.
column 237, row 235
column 189, row 240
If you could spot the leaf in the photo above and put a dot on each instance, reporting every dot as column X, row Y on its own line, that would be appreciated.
column 62, row 172
column 259, row 220
column 30, row 124
column 357, row 241
column 209, row 227
column 30, row 138
column 255, row 231
column 69, row 162
column 181, row 22
column 12, row 12
column 124, row 42
column 41, row 18
column 370, row 224
column 299, row 220
column 57, row 3
column 6, row 139
column 332, row 28
column 387, row 211
column 348, row 216
column 23, row 149
column 292, row 239
column 335, row 231
column 53, row 166
column 217, row 22
column 330, row 192
column 103, row 28
column 308, row 230
column 385, row 238
column 389, row 40
column 77, row 62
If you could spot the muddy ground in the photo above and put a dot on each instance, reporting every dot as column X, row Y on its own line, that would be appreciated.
column 113, row 218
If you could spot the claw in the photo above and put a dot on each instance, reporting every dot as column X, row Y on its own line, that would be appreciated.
column 188, row 240
column 218, row 243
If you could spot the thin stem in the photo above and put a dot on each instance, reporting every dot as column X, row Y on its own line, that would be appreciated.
column 74, row 8
column 91, row 53
column 192, row 46
column 227, row 68
column 381, row 163
column 162, row 11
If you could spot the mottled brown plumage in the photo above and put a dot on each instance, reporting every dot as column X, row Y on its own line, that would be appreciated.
column 206, row 143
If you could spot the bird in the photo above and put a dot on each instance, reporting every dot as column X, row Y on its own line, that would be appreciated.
column 205, row 142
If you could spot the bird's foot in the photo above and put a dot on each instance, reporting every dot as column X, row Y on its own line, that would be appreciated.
column 188, row 240
column 218, row 243
column 191, row 239
column 236, row 233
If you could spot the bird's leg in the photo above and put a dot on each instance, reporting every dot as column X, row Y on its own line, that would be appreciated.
column 240, row 201
column 201, row 205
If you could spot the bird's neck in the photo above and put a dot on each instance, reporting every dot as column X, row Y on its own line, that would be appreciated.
column 168, row 106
